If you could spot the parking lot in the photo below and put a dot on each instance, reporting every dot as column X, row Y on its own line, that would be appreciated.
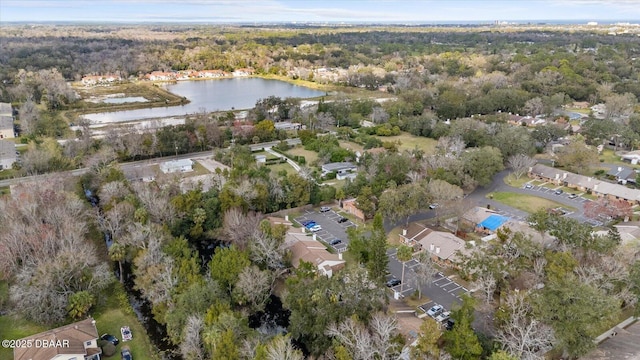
column 331, row 228
column 442, row 290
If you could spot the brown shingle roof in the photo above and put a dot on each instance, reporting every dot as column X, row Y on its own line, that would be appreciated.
column 75, row 335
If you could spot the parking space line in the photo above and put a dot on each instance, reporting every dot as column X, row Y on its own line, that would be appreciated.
column 454, row 289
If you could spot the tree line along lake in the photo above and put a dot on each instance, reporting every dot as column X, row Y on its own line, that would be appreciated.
column 211, row 95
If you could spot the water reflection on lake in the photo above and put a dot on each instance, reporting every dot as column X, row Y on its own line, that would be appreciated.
column 212, row 95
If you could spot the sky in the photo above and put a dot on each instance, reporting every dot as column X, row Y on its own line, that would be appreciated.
column 249, row 11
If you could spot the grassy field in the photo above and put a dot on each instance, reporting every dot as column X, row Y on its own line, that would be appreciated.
column 526, row 203
column 309, row 156
column 350, row 145
column 609, row 156
column 13, row 327
column 276, row 168
column 410, row 142
column 115, row 313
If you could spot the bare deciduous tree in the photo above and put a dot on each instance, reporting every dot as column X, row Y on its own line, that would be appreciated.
column 192, row 347
column 522, row 335
column 253, row 287
column 487, row 284
column 372, row 342
column 238, row 227
column 520, row 164
column 425, row 271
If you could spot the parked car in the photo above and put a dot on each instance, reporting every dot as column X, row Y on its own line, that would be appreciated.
column 335, row 241
column 434, row 206
column 528, row 186
column 393, row 282
column 443, row 317
column 449, row 324
column 125, row 353
column 435, row 310
column 310, row 224
column 325, row 209
column 342, row 219
column 558, row 192
column 573, row 196
column 110, row 338
column 315, row 228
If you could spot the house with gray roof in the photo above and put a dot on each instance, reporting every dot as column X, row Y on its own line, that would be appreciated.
column 6, row 109
column 623, row 174
column 7, row 154
column 341, row 169
column 6, row 127
column 588, row 184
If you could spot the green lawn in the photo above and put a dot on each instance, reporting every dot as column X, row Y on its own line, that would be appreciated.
column 512, row 181
column 115, row 313
column 350, row 145
column 198, row 169
column 609, row 156
column 410, row 142
column 526, row 203
column 309, row 156
column 110, row 315
column 276, row 168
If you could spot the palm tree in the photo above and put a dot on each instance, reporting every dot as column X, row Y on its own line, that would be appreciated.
column 405, row 253
column 117, row 252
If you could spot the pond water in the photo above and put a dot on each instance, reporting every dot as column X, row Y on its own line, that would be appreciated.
column 122, row 100
column 212, row 95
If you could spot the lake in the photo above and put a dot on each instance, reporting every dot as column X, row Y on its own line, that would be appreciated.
column 212, row 95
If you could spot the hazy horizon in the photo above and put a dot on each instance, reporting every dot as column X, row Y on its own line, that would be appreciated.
column 328, row 11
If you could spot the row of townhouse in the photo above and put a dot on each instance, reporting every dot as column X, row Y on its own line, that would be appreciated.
column 585, row 183
column 193, row 74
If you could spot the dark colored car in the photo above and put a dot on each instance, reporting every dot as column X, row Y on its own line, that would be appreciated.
column 449, row 324
column 342, row 219
column 335, row 241
column 393, row 282
column 126, row 354
column 110, row 338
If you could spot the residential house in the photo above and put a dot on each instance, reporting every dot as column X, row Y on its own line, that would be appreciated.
column 475, row 216
column 7, row 154
column 6, row 127
column 70, row 342
column 619, row 342
column 623, row 174
column 182, row 165
column 274, row 220
column 100, row 79
column 242, row 72
column 632, row 156
column 306, row 248
column 443, row 247
column 351, row 206
column 342, row 170
column 585, row 183
column 6, row 109
column 161, row 76
column 212, row 74
column 491, row 224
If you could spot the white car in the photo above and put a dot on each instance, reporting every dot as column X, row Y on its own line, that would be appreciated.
column 435, row 310
column 434, row 206
column 443, row 317
column 315, row 228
